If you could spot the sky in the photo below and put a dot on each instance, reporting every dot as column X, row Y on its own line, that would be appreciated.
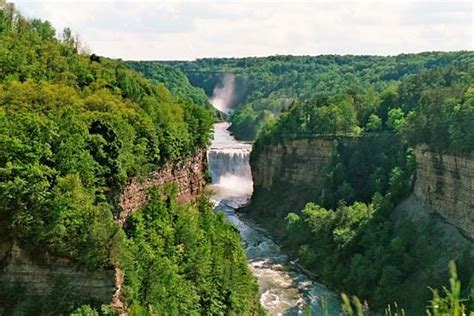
column 186, row 30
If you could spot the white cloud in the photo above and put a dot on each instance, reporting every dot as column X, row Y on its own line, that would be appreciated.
column 191, row 29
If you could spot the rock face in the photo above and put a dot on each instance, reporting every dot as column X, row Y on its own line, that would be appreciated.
column 286, row 177
column 189, row 175
column 38, row 278
column 297, row 162
column 445, row 185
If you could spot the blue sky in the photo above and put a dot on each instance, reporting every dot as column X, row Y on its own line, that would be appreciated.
column 168, row 30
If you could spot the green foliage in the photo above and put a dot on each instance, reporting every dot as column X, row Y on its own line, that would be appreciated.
column 175, row 80
column 360, row 247
column 85, row 310
column 374, row 123
column 395, row 119
column 450, row 304
column 73, row 129
column 265, row 86
column 441, row 116
column 432, row 108
column 186, row 260
column 355, row 248
column 348, row 235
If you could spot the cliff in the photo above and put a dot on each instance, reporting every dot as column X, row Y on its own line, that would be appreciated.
column 445, row 186
column 297, row 162
column 189, row 176
column 39, row 277
column 286, row 176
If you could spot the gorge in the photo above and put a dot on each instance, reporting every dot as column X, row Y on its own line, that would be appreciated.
column 280, row 185
column 284, row 288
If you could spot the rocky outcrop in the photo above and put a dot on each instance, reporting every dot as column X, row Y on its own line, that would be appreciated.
column 445, row 185
column 297, row 162
column 39, row 279
column 189, row 176
column 286, row 176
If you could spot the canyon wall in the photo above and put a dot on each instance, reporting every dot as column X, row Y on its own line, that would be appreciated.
column 297, row 162
column 189, row 175
column 21, row 273
column 38, row 277
column 286, row 176
column 445, row 186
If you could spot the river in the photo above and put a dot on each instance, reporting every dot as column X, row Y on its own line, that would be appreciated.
column 284, row 288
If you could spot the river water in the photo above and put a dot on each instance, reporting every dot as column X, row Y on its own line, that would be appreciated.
column 284, row 288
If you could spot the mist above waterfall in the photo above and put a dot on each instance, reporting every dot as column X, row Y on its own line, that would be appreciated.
column 224, row 93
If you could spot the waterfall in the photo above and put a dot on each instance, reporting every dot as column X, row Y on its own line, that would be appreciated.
column 229, row 163
column 225, row 162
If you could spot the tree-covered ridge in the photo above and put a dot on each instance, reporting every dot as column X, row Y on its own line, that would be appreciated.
column 433, row 108
column 177, row 260
column 174, row 79
column 267, row 85
column 73, row 128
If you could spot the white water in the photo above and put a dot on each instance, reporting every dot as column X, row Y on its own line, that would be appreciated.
column 284, row 288
column 224, row 93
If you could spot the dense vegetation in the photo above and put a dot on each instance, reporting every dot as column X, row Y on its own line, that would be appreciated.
column 447, row 303
column 433, row 108
column 187, row 260
column 177, row 259
column 348, row 233
column 74, row 128
column 265, row 86
column 175, row 80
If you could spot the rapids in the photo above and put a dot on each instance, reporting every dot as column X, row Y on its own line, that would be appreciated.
column 284, row 288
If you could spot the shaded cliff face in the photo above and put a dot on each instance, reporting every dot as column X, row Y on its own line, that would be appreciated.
column 298, row 162
column 291, row 174
column 287, row 176
column 38, row 278
column 445, row 185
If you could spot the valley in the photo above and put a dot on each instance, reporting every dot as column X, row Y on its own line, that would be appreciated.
column 327, row 173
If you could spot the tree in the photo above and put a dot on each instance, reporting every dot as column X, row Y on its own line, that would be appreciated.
column 374, row 123
column 396, row 119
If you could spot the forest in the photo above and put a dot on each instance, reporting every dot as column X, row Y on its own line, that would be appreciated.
column 265, row 86
column 376, row 109
column 74, row 127
column 175, row 80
